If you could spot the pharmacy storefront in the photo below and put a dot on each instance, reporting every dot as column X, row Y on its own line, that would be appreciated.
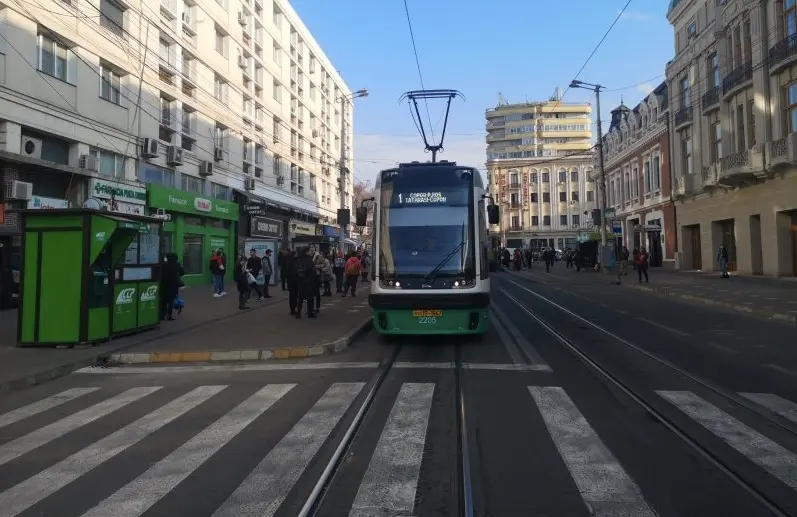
column 120, row 197
column 197, row 227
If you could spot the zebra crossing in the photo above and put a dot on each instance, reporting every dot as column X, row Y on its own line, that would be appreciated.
column 388, row 484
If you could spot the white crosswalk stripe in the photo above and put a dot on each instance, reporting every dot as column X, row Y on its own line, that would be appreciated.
column 388, row 479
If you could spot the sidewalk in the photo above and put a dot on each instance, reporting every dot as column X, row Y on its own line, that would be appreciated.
column 762, row 296
column 270, row 333
column 21, row 367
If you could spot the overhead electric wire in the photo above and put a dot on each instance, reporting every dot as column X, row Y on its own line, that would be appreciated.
column 418, row 65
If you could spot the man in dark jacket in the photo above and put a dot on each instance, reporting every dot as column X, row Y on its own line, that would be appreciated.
column 254, row 264
column 307, row 281
column 288, row 272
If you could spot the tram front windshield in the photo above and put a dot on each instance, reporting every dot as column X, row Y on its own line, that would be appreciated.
column 425, row 226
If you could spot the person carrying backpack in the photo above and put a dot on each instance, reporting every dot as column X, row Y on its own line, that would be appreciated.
column 352, row 270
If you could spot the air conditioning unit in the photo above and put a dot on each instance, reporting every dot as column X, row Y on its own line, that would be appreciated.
column 31, row 147
column 280, row 180
column 88, row 162
column 186, row 18
column 206, row 168
column 249, row 183
column 242, row 18
column 174, row 155
column 150, row 148
column 20, row 190
column 241, row 61
column 315, row 133
column 218, row 154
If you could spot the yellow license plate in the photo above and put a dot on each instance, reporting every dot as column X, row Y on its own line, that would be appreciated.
column 427, row 314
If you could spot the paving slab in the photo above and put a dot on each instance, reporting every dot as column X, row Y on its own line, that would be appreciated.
column 22, row 367
column 260, row 335
column 773, row 298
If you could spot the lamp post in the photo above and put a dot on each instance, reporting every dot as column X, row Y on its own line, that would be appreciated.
column 602, row 198
column 344, row 100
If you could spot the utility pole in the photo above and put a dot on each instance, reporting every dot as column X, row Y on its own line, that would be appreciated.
column 344, row 100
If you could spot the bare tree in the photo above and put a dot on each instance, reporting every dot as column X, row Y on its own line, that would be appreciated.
column 362, row 190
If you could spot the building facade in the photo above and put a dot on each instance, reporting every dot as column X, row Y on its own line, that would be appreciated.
column 539, row 168
column 227, row 100
column 733, row 85
column 636, row 159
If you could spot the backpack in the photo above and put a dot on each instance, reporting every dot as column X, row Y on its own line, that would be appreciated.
column 353, row 268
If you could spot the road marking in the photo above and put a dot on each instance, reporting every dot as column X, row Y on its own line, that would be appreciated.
column 139, row 495
column 440, row 365
column 722, row 348
column 43, row 405
column 624, row 313
column 785, row 408
column 781, row 369
column 603, row 483
column 775, row 459
column 29, row 492
column 227, row 368
column 662, row 326
column 507, row 367
column 521, row 341
column 390, row 483
column 29, row 442
column 266, row 487
column 509, row 345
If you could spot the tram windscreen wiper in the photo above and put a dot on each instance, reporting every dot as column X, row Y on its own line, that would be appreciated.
column 433, row 273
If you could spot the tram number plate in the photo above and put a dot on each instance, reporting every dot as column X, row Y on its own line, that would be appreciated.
column 427, row 314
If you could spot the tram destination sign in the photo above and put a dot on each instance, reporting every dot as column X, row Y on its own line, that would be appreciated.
column 431, row 197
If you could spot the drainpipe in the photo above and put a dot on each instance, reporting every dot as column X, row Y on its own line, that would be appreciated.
column 669, row 173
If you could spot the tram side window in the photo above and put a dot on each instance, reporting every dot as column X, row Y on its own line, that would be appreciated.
column 484, row 266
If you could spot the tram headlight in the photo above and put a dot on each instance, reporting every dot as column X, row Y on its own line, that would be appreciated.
column 463, row 283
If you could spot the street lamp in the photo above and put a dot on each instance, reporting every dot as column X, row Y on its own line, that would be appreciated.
column 605, row 253
column 343, row 221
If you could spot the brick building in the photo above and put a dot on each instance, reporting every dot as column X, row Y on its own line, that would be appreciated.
column 638, row 180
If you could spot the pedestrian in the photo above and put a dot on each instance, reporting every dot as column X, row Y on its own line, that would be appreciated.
column 285, row 263
column 352, row 271
column 267, row 271
column 217, row 273
column 326, row 281
column 254, row 265
column 171, row 272
column 337, row 269
column 722, row 260
column 291, row 281
column 243, row 281
column 642, row 265
column 307, row 282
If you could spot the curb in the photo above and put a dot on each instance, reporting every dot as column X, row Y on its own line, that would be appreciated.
column 790, row 318
column 204, row 356
column 36, row 378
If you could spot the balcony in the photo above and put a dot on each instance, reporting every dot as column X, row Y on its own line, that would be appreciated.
column 168, row 61
column 737, row 78
column 189, row 74
column 514, row 204
column 515, row 228
column 782, row 54
column 169, row 8
column 741, row 167
column 710, row 176
column 710, row 100
column 782, row 153
column 683, row 116
column 514, row 185
column 679, row 189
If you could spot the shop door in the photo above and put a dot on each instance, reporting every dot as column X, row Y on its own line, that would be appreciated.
column 729, row 241
column 697, row 247
column 654, row 249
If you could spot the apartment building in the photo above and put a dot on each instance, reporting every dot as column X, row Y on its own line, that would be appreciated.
column 223, row 100
column 539, row 167
column 636, row 158
column 733, row 84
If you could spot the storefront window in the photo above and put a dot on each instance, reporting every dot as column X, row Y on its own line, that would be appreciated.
column 168, row 242
column 193, row 259
column 194, row 221
column 220, row 224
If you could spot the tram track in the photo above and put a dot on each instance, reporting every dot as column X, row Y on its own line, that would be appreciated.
column 333, row 470
column 648, row 402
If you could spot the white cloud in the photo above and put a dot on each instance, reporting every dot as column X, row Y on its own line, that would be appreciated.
column 637, row 17
column 646, row 88
column 373, row 153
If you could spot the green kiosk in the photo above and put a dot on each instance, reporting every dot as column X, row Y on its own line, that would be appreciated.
column 87, row 276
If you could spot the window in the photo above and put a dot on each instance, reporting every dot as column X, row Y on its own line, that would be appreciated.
column 110, row 85
column 751, row 122
column 692, row 30
column 562, row 176
column 791, row 108
column 789, row 18
column 546, row 177
column 574, row 196
column 574, row 176
column 108, row 163
column 221, row 137
column 534, row 197
column 563, row 220
column 157, row 175
column 535, row 220
column 277, row 55
column 533, row 177
column 546, row 220
column 686, row 93
column 221, row 42
column 740, row 133
column 546, row 197
column 112, row 17
column 222, row 192
column 192, row 184
column 635, row 183
column 590, row 196
column 714, row 64
column 576, row 219
column 686, row 151
column 220, row 88
column 53, row 58
column 627, row 185
column 747, row 41
column 646, row 175
column 716, row 142
column 277, row 91
column 656, row 172
column 563, row 197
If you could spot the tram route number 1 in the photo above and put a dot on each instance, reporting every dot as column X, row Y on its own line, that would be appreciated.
column 427, row 317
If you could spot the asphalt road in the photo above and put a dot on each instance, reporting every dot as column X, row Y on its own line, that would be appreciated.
column 547, row 434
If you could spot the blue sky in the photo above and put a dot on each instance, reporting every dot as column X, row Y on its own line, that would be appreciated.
column 521, row 49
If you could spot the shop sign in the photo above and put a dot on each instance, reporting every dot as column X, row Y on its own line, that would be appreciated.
column 184, row 202
column 46, row 203
column 253, row 208
column 302, row 228
column 330, row 231
column 265, row 227
column 103, row 189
